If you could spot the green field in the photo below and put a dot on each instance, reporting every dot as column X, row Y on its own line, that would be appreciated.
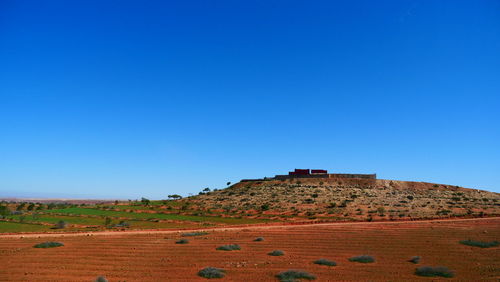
column 130, row 215
column 135, row 208
column 101, row 217
column 6, row 227
column 53, row 219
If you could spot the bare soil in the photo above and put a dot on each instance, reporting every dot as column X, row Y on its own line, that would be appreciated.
column 154, row 256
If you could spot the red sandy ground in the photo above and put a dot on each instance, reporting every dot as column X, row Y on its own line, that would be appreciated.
column 153, row 256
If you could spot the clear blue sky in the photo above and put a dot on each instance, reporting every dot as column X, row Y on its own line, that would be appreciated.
column 123, row 99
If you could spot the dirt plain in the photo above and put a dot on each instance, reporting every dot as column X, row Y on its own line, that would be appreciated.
column 154, row 256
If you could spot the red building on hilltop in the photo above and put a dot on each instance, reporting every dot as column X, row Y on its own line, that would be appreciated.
column 298, row 171
column 314, row 173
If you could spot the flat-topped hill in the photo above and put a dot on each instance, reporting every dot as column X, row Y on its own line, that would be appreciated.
column 349, row 199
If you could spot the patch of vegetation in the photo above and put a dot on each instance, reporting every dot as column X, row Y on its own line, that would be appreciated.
column 48, row 245
column 325, row 262
column 480, row 244
column 107, row 221
column 133, row 215
column 101, row 279
column 190, row 234
column 443, row 212
column 429, row 271
column 415, row 259
column 231, row 247
column 211, row 272
column 122, row 224
column 60, row 224
column 182, row 241
column 276, row 253
column 363, row 259
column 21, row 227
column 294, row 275
column 381, row 210
column 258, row 239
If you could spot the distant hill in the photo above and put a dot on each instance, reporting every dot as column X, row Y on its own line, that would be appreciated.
column 348, row 199
column 57, row 201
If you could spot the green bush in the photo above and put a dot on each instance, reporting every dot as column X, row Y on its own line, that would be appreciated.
column 325, row 262
column 362, row 259
column 4, row 211
column 122, row 224
column 294, row 275
column 182, row 241
column 231, row 247
column 107, row 221
column 61, row 224
column 190, row 234
column 48, row 245
column 211, row 272
column 276, row 253
column 430, row 271
column 480, row 244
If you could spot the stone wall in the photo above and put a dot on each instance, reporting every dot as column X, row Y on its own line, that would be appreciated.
column 349, row 175
column 330, row 175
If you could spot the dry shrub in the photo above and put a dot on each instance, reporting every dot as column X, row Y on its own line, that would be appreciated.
column 325, row 262
column 430, row 271
column 231, row 247
column 189, row 234
column 363, row 259
column 480, row 244
column 101, row 279
column 415, row 259
column 294, row 275
column 211, row 272
column 48, row 245
column 276, row 253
